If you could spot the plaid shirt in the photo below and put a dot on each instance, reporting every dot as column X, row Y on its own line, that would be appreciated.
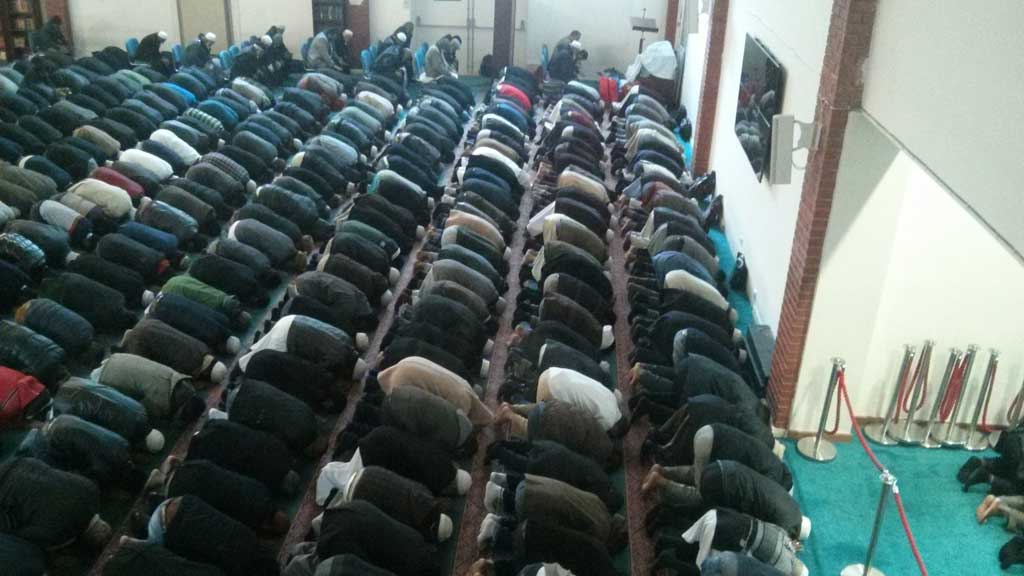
column 206, row 120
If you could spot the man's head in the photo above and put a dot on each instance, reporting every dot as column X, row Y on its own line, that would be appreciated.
column 576, row 35
column 347, row 35
column 266, row 41
column 401, row 37
column 162, row 36
column 456, row 42
column 208, row 39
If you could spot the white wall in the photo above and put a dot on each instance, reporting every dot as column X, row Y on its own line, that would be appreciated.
column 904, row 262
column 386, row 16
column 255, row 17
column 943, row 77
column 760, row 219
column 607, row 36
column 693, row 68
column 96, row 24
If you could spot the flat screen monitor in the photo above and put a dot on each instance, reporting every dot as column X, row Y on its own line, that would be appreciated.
column 760, row 97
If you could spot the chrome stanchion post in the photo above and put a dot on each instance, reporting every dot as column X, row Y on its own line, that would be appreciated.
column 977, row 439
column 866, row 569
column 817, row 448
column 879, row 433
column 948, row 438
column 927, row 440
column 908, row 436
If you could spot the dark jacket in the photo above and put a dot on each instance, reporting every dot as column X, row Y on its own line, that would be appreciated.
column 244, row 450
column 45, row 506
column 729, row 484
column 32, row 353
column 362, row 529
column 263, row 407
column 65, row 327
column 199, row 532
column 408, row 455
column 238, row 496
column 102, row 306
column 135, row 558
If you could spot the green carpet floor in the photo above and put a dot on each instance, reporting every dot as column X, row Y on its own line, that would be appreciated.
column 841, row 497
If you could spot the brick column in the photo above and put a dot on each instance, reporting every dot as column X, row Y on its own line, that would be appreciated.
column 839, row 91
column 704, row 128
column 671, row 20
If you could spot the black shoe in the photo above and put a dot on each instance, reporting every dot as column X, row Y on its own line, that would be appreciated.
column 1012, row 553
column 703, row 187
column 978, row 476
column 713, row 217
column 972, row 464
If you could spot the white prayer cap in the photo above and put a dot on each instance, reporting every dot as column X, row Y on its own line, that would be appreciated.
column 347, row 34
column 210, row 37
column 162, row 35
column 401, row 36
column 576, row 45
column 266, row 40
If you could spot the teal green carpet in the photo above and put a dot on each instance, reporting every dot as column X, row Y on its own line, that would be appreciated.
column 841, row 497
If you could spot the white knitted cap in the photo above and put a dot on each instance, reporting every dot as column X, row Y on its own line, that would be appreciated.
column 362, row 341
column 444, row 528
column 218, row 372
column 401, row 37
column 805, row 528
column 266, row 40
column 233, row 345
column 210, row 37
column 162, row 35
column 155, row 441
column 462, row 482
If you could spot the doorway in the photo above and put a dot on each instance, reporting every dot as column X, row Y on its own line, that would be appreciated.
column 471, row 20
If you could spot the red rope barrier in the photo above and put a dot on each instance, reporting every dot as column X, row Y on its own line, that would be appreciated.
column 956, row 381
column 878, row 464
column 906, row 528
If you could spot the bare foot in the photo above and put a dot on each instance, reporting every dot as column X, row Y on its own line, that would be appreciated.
column 654, row 481
column 482, row 567
column 504, row 413
column 989, row 506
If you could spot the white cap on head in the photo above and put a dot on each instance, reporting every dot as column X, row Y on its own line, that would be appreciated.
column 218, row 372
column 154, row 441
column 362, row 341
column 147, row 297
column 393, row 275
column 462, row 482
column 161, row 35
column 805, row 528
column 359, row 370
column 210, row 37
column 576, row 45
column 386, row 298
column 347, row 34
column 233, row 345
column 607, row 337
column 444, row 528
column 266, row 40
column 401, row 37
